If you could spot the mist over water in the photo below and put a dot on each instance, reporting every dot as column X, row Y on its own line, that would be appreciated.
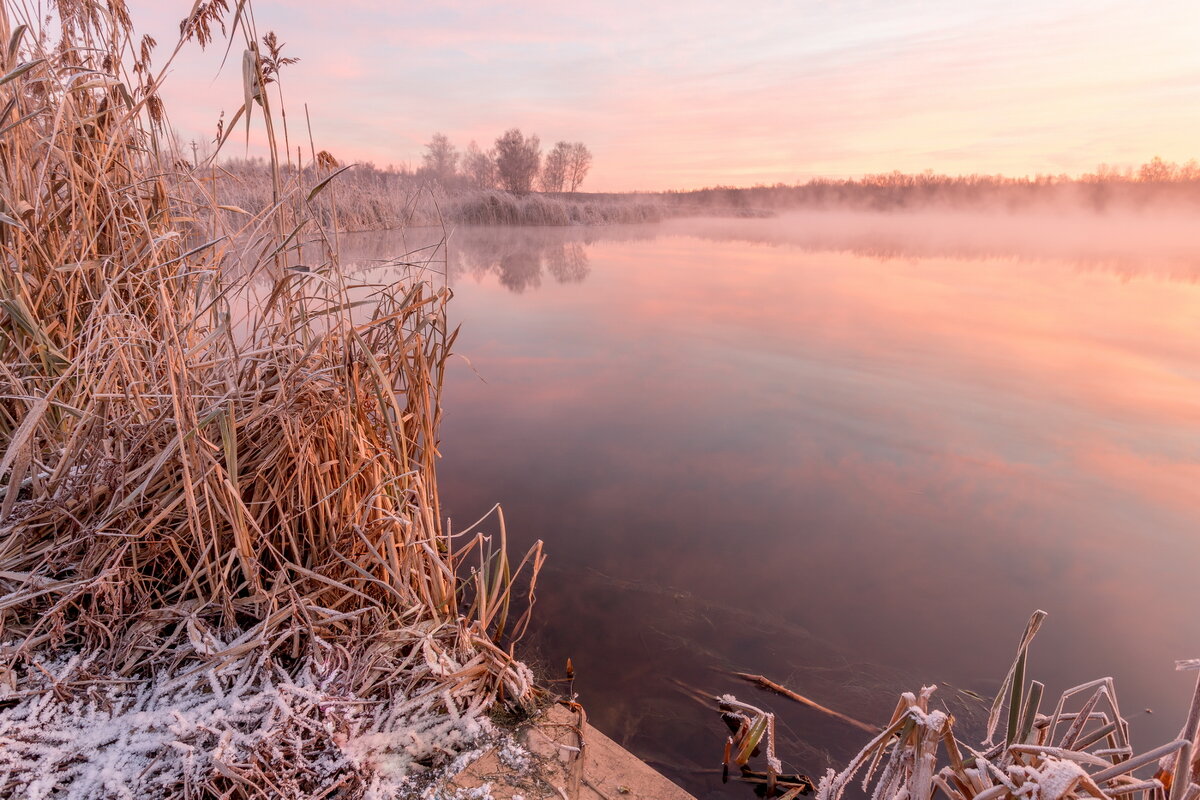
column 1159, row 241
column 1163, row 242
column 851, row 452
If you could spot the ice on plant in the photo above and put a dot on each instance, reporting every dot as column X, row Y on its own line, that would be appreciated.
column 102, row 737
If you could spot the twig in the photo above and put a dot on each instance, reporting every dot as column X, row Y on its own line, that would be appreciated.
column 766, row 683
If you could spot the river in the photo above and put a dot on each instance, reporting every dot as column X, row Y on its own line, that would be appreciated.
column 852, row 453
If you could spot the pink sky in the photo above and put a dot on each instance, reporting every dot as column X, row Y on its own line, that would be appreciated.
column 680, row 95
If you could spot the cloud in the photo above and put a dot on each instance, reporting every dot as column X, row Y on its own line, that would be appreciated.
column 737, row 93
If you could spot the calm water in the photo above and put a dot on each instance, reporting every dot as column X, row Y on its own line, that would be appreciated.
column 850, row 453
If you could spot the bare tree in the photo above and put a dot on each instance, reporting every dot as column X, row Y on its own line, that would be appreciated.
column 479, row 167
column 441, row 158
column 517, row 160
column 1157, row 171
column 554, row 170
column 579, row 161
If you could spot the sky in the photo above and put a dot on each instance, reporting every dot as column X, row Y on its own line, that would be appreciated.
column 674, row 95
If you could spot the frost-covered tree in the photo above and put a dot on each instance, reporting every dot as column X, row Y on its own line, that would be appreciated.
column 517, row 160
column 554, row 170
column 479, row 167
column 579, row 161
column 1158, row 171
column 441, row 158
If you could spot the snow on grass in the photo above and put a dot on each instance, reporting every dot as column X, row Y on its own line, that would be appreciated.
column 69, row 733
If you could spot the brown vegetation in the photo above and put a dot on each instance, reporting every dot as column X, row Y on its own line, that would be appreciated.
column 1080, row 749
column 502, row 208
column 370, row 198
column 213, row 453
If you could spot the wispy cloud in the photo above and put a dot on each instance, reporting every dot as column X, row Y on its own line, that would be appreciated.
column 736, row 93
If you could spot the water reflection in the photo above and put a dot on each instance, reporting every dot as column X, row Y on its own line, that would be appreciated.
column 1130, row 246
column 518, row 258
column 777, row 451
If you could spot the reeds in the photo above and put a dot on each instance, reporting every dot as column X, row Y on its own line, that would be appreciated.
column 215, row 455
column 368, row 198
column 373, row 198
column 1079, row 749
column 502, row 208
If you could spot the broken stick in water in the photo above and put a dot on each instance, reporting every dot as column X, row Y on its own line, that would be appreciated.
column 766, row 683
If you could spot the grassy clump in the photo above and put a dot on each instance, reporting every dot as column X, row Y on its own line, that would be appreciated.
column 214, row 457
column 503, row 208
column 365, row 198
column 1078, row 749
column 369, row 198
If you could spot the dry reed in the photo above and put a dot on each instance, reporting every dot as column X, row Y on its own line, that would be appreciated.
column 214, row 456
column 374, row 198
column 1081, row 749
column 501, row 208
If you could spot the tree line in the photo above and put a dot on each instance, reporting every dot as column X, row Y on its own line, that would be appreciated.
column 1157, row 180
column 514, row 163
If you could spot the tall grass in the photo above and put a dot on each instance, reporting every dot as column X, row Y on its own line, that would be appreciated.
column 370, row 198
column 213, row 452
column 503, row 208
column 367, row 198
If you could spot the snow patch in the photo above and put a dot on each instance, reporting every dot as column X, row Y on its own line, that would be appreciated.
column 75, row 735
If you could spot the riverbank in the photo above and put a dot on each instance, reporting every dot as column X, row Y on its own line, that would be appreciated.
column 224, row 569
column 367, row 198
column 558, row 754
column 370, row 197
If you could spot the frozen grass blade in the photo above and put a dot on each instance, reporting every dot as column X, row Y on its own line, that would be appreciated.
column 1012, row 686
column 1091, row 758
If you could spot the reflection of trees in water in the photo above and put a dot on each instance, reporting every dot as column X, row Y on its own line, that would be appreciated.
column 519, row 270
column 519, row 257
column 1116, row 246
column 569, row 263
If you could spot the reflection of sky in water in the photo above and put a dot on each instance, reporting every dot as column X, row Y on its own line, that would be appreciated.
column 831, row 460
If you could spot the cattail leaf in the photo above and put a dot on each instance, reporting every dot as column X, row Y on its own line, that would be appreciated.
column 1014, row 697
column 1183, row 766
column 1137, row 762
column 21, row 436
column 19, row 121
column 125, row 95
column 1031, row 629
column 1030, row 711
column 316, row 190
column 20, row 70
column 250, row 85
column 101, row 82
column 753, row 737
column 237, row 20
column 14, row 41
